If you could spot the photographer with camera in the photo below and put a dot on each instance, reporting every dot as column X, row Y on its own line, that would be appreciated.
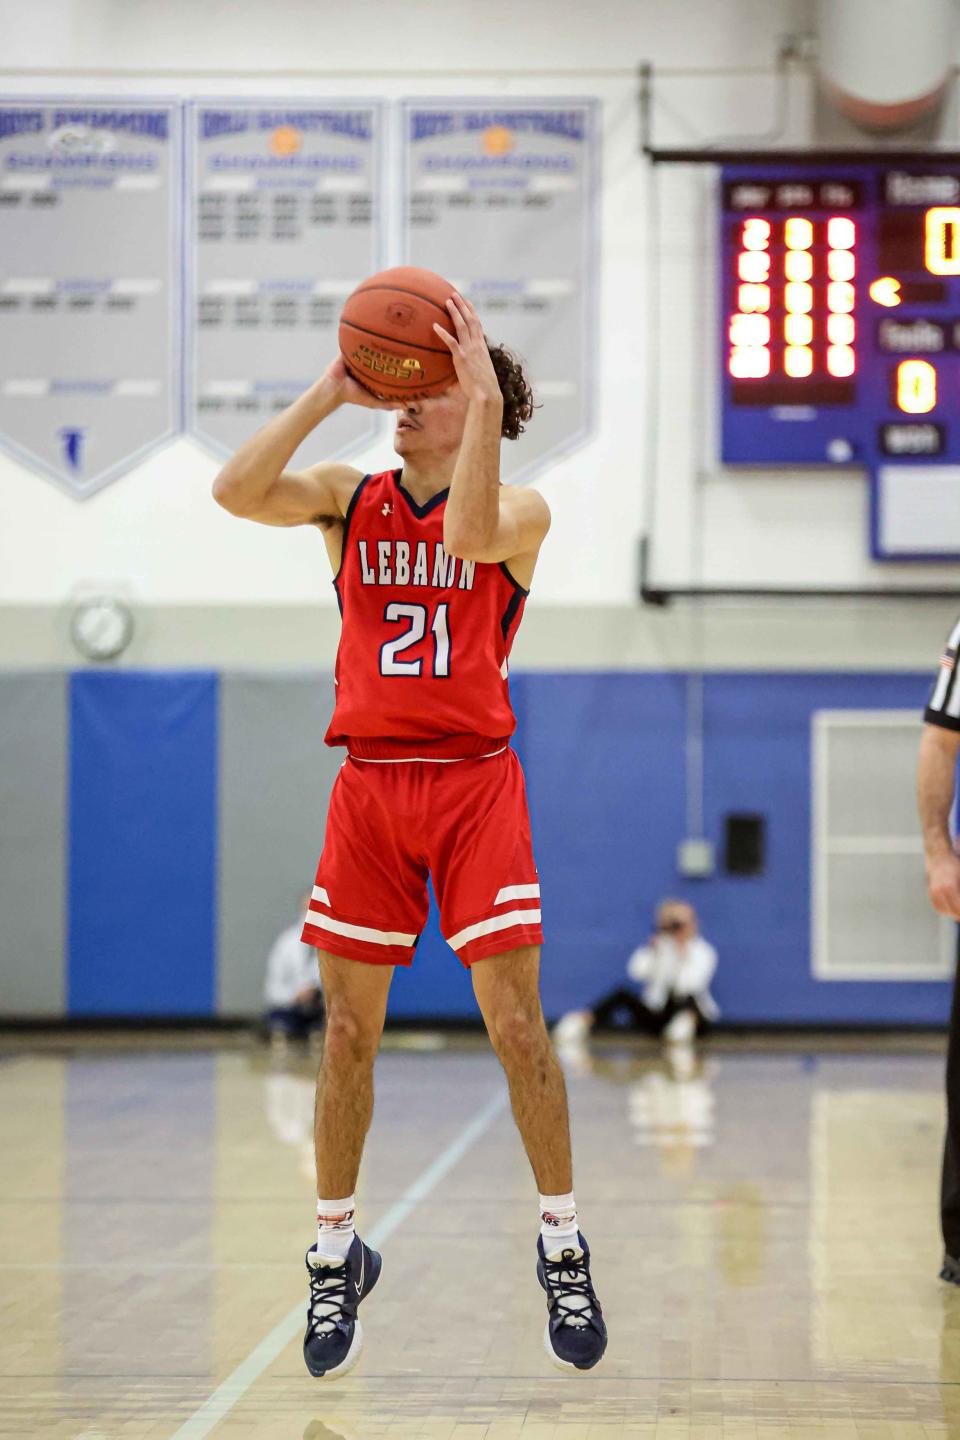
column 674, row 968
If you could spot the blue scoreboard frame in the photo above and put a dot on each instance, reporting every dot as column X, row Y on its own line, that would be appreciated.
column 840, row 335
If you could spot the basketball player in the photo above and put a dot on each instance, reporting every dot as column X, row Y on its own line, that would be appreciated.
column 432, row 566
column 936, row 786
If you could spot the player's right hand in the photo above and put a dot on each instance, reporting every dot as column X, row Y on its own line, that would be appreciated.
column 943, row 884
column 351, row 392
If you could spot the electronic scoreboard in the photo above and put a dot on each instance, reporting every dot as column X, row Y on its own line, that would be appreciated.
column 841, row 335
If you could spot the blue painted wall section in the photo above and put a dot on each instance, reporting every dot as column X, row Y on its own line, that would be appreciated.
column 757, row 758
column 605, row 765
column 604, row 760
column 142, row 843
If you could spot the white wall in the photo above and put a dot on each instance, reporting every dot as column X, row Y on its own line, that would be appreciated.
column 156, row 535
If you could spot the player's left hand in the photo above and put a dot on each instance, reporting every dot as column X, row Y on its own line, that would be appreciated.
column 468, row 346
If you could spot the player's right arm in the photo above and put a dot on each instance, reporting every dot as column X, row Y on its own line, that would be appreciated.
column 254, row 483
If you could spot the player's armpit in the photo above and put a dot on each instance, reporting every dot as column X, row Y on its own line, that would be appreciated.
column 296, row 497
column 522, row 523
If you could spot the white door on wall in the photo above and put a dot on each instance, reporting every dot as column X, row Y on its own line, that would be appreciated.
column 870, row 915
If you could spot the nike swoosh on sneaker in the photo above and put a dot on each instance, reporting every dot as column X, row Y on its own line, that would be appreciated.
column 358, row 1284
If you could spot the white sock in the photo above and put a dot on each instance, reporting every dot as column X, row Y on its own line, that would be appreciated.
column 558, row 1223
column 558, row 1226
column 335, row 1230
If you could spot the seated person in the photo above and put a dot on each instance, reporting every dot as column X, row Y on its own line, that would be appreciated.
column 291, row 990
column 675, row 969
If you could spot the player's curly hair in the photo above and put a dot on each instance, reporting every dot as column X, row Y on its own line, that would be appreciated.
column 518, row 402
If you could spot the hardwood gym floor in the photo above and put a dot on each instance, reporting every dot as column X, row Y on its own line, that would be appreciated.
column 763, row 1221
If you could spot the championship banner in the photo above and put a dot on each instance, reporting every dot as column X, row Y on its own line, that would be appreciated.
column 283, row 222
column 89, row 329
column 501, row 198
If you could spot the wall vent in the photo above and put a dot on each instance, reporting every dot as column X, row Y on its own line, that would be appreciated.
column 871, row 918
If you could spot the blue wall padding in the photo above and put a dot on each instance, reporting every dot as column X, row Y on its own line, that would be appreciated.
column 604, row 760
column 436, row 983
column 142, row 843
column 757, row 744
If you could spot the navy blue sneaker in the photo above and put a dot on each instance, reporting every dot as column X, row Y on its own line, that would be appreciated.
column 950, row 1270
column 334, row 1336
column 575, row 1337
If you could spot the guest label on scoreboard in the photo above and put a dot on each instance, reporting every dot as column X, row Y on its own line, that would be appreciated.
column 283, row 223
column 912, row 337
column 89, row 341
column 501, row 199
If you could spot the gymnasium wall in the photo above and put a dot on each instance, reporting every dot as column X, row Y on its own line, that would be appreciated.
column 160, row 828
column 159, row 818
column 154, row 536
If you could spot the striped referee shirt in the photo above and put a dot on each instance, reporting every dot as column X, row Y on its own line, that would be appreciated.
column 943, row 707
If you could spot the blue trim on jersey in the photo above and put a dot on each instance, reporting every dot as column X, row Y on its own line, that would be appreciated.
column 419, row 510
column 510, row 614
column 354, row 498
column 516, row 600
column 515, row 583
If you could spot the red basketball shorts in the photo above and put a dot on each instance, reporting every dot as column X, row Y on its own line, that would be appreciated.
column 465, row 823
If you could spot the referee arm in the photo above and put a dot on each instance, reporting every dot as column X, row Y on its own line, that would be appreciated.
column 937, row 781
column 936, row 784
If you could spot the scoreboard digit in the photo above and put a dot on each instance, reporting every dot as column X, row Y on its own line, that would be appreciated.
column 841, row 335
column 796, row 303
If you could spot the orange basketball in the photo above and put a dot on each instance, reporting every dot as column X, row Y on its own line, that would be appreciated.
column 387, row 338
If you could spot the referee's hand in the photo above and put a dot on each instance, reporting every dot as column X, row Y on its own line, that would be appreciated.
column 943, row 883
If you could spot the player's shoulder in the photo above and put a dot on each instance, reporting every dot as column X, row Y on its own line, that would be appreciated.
column 525, row 497
column 342, row 480
column 528, row 505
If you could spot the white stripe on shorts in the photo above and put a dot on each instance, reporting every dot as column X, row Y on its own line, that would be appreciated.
column 357, row 932
column 489, row 927
column 517, row 892
column 320, row 894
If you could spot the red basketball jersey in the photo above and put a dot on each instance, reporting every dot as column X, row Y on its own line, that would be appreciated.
column 425, row 637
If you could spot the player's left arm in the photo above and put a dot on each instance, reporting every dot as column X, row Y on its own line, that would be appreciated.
column 482, row 520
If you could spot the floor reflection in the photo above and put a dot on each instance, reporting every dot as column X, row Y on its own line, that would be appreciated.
column 288, row 1104
column 763, row 1227
column 671, row 1104
column 317, row 1430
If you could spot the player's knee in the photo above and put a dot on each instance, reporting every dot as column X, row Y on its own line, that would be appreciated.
column 349, row 1037
column 517, row 1031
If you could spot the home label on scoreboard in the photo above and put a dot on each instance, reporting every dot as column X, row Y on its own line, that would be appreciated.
column 841, row 332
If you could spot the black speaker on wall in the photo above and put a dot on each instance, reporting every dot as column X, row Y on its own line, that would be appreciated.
column 744, row 844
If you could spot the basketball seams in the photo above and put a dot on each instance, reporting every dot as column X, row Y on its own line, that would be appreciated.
column 378, row 335
column 401, row 290
column 393, row 324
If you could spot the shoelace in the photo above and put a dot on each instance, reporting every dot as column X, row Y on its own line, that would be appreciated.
column 328, row 1292
column 570, row 1290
